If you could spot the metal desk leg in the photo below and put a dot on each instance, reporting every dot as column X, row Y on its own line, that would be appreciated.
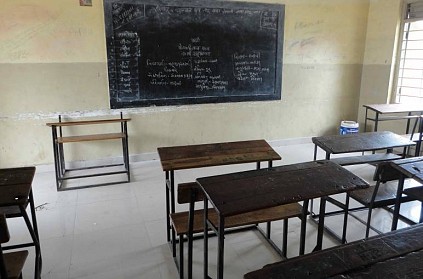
column 206, row 240
column 344, row 229
column 376, row 122
column 3, row 273
column 420, row 132
column 191, row 229
column 56, row 155
column 303, row 227
column 167, row 182
column 365, row 121
column 397, row 203
column 312, row 201
column 421, row 213
column 35, row 240
column 321, row 224
column 221, row 243
column 35, row 227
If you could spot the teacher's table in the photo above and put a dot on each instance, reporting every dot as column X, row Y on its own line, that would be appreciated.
column 207, row 155
column 242, row 192
column 396, row 254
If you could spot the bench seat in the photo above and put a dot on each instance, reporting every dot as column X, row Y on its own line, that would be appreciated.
column 179, row 220
column 365, row 159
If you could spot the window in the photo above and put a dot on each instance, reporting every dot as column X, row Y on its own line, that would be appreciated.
column 410, row 66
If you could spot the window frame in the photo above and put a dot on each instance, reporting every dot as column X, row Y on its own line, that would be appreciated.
column 397, row 58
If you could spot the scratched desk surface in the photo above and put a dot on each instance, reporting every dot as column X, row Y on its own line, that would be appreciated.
column 248, row 191
column 411, row 167
column 215, row 154
column 13, row 176
column 396, row 254
column 15, row 185
column 361, row 142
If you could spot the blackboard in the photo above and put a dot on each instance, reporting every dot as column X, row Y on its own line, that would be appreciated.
column 188, row 52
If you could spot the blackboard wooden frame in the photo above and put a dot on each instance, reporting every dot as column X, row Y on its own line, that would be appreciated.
column 177, row 52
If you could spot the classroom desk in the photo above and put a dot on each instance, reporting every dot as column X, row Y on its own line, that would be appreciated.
column 409, row 168
column 207, row 155
column 397, row 254
column 238, row 193
column 391, row 112
column 361, row 142
column 15, row 194
column 59, row 139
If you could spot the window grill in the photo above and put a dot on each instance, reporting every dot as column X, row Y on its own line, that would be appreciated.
column 410, row 70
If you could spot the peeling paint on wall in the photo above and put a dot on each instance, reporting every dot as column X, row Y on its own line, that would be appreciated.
column 129, row 111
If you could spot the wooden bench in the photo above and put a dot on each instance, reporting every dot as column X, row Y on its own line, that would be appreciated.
column 59, row 139
column 11, row 264
column 179, row 220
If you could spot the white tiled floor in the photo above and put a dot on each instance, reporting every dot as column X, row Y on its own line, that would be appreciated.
column 118, row 231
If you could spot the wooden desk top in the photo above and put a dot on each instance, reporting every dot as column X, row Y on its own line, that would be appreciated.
column 15, row 185
column 410, row 167
column 361, row 142
column 12, row 176
column 360, row 259
column 394, row 108
column 215, row 154
column 248, row 191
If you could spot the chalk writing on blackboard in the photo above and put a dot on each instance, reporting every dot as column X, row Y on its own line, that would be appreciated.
column 127, row 52
column 183, row 52
column 125, row 13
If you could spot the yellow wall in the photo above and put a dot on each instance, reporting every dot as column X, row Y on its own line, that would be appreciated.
column 53, row 61
column 382, row 29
